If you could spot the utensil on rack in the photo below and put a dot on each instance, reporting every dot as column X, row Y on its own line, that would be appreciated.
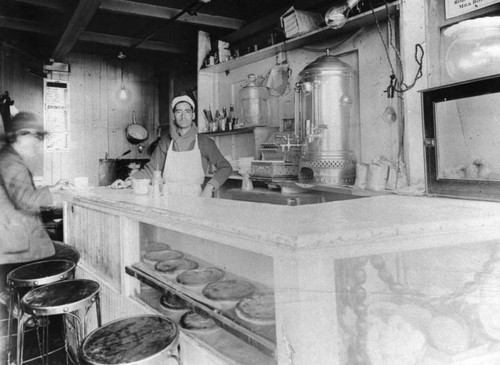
column 136, row 133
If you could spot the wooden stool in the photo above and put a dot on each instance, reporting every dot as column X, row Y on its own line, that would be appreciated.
column 144, row 339
column 69, row 298
column 29, row 276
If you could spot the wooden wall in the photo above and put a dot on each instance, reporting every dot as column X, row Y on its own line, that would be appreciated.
column 98, row 117
column 24, row 87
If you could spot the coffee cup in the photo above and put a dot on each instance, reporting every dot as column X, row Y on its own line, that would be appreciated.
column 141, row 186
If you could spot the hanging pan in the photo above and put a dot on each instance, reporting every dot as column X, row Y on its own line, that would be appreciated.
column 136, row 133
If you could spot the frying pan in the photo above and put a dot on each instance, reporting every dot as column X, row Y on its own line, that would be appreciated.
column 136, row 133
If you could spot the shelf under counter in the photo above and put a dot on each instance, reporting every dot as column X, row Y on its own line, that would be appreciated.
column 262, row 338
column 223, row 344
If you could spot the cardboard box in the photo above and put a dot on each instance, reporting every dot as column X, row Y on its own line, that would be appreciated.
column 298, row 22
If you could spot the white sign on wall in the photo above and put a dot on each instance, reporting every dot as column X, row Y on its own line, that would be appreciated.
column 458, row 7
column 56, row 115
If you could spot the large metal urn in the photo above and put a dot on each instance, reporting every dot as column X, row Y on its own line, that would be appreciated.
column 323, row 100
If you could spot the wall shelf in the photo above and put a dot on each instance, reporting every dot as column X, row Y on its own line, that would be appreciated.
column 354, row 23
column 242, row 142
column 234, row 131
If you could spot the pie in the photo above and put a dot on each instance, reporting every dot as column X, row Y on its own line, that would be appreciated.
column 156, row 246
column 229, row 290
column 196, row 321
column 152, row 257
column 201, row 276
column 173, row 302
column 259, row 309
column 175, row 265
column 153, row 246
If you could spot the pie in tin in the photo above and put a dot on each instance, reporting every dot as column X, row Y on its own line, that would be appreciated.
column 199, row 277
column 258, row 309
column 172, row 301
column 152, row 257
column 156, row 246
column 197, row 321
column 230, row 290
column 175, row 265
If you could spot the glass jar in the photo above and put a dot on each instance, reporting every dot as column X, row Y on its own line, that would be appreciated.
column 474, row 50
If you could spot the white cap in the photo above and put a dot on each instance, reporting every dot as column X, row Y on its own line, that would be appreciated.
column 183, row 98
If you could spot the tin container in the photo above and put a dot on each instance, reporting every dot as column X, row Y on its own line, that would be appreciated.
column 324, row 95
column 253, row 103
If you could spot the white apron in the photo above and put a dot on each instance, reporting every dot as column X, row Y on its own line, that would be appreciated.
column 183, row 172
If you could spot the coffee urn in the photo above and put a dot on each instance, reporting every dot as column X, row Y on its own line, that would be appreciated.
column 323, row 99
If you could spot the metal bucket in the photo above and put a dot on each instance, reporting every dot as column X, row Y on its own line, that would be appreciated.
column 324, row 95
column 138, row 340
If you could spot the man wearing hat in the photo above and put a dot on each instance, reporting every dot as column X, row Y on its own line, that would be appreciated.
column 22, row 238
column 184, row 157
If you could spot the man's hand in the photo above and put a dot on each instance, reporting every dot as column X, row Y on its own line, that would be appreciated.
column 61, row 184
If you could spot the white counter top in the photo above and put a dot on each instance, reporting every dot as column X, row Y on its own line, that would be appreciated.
column 292, row 249
column 373, row 224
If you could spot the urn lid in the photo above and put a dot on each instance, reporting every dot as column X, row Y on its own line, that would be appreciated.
column 327, row 65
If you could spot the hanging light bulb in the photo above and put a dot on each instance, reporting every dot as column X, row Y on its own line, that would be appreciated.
column 123, row 92
column 336, row 17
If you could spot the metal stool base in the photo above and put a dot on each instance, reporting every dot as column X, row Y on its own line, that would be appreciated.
column 67, row 298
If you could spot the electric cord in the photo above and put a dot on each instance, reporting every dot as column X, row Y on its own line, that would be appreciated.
column 398, row 84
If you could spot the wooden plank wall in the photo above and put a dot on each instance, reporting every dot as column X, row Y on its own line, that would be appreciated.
column 24, row 87
column 98, row 118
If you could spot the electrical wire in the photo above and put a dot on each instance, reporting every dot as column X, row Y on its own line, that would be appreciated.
column 397, row 83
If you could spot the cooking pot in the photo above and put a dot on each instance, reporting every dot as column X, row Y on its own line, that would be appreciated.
column 136, row 133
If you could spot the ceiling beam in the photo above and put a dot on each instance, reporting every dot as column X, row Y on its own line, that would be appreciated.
column 128, row 42
column 81, row 17
column 25, row 25
column 59, row 5
column 36, row 27
column 162, row 12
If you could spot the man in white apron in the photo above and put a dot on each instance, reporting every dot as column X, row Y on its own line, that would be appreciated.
column 183, row 171
column 185, row 157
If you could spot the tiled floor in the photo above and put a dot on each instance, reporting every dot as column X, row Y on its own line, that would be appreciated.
column 31, row 348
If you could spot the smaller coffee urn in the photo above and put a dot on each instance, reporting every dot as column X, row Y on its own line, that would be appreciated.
column 323, row 100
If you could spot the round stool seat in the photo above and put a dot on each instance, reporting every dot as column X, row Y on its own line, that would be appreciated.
column 133, row 340
column 60, row 297
column 41, row 273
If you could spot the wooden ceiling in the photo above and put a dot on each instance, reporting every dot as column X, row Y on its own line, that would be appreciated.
column 142, row 29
